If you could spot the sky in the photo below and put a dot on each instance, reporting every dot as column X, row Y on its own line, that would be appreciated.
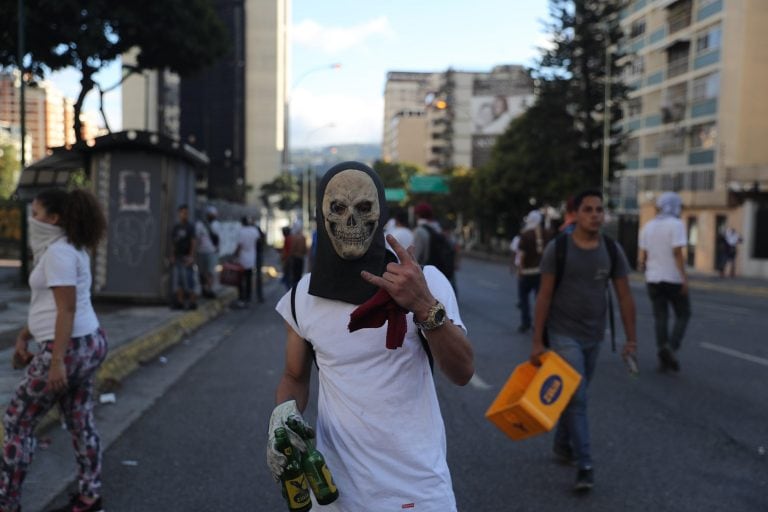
column 368, row 39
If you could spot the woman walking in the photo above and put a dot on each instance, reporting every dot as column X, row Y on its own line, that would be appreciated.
column 70, row 346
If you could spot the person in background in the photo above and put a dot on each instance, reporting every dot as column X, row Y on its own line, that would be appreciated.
column 732, row 241
column 247, row 238
column 207, row 234
column 425, row 221
column 399, row 228
column 260, row 244
column 574, row 311
column 661, row 243
column 569, row 220
column 533, row 239
column 182, row 260
column 285, row 257
column 70, row 346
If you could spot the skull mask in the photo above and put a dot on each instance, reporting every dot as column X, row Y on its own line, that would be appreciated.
column 351, row 210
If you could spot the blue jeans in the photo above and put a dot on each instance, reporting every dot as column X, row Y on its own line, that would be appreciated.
column 573, row 428
column 525, row 285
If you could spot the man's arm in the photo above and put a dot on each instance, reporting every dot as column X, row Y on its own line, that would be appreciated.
column 406, row 284
column 642, row 259
column 294, row 384
column 628, row 314
column 540, row 315
column 680, row 264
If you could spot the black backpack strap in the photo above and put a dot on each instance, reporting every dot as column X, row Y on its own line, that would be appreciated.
column 425, row 345
column 561, row 252
column 610, row 246
column 293, row 313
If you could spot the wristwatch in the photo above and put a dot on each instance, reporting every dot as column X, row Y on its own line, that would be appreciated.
column 435, row 318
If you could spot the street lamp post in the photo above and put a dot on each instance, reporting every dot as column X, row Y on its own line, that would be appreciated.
column 287, row 111
column 22, row 99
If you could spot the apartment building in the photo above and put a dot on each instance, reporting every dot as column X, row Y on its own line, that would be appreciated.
column 696, row 120
column 49, row 114
column 454, row 117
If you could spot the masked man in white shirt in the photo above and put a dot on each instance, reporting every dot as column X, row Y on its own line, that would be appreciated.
column 359, row 314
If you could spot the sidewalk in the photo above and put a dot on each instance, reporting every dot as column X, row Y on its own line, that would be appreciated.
column 753, row 287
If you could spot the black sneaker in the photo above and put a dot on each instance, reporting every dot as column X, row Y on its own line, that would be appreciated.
column 564, row 455
column 667, row 361
column 523, row 329
column 75, row 505
column 585, row 480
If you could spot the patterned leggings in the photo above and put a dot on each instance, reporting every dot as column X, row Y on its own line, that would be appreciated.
column 33, row 400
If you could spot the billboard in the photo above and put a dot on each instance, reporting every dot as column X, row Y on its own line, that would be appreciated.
column 491, row 114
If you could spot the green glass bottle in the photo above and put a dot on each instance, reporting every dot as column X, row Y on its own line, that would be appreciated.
column 293, row 482
column 313, row 463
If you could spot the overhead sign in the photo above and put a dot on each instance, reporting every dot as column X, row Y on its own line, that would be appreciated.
column 429, row 184
column 394, row 194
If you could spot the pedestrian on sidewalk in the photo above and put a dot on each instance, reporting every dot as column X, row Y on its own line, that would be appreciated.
column 285, row 257
column 399, row 228
column 378, row 412
column 70, row 346
column 661, row 256
column 533, row 238
column 732, row 241
column 247, row 238
column 571, row 306
column 184, row 246
column 207, row 234
column 260, row 244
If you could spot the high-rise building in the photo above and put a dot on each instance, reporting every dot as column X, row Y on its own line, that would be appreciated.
column 151, row 100
column 696, row 117
column 47, row 112
column 234, row 110
column 454, row 116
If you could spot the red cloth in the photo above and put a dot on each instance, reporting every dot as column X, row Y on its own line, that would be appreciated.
column 379, row 309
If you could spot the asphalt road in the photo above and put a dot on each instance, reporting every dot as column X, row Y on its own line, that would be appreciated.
column 696, row 441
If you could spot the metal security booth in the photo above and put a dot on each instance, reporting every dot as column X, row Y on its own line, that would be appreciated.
column 140, row 178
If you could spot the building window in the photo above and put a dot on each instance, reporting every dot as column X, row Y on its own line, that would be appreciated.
column 632, row 148
column 671, row 142
column 677, row 60
column 634, row 107
column 679, row 15
column 674, row 106
column 704, row 136
column 637, row 29
column 709, row 40
column 706, row 87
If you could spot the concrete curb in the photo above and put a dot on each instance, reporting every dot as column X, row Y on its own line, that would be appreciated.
column 128, row 357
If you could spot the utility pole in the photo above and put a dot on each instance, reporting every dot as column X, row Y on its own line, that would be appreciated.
column 22, row 99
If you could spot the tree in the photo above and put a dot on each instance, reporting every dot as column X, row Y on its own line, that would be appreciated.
column 8, row 167
column 394, row 175
column 182, row 36
column 575, row 66
column 287, row 187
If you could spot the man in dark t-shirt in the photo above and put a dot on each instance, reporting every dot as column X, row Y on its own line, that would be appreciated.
column 184, row 244
column 573, row 311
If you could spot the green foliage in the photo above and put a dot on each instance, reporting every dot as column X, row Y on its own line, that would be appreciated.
column 8, row 167
column 287, row 189
column 555, row 148
column 394, row 175
column 180, row 35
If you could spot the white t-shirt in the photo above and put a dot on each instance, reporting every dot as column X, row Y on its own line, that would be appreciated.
column 659, row 238
column 379, row 423
column 204, row 242
column 403, row 235
column 246, row 242
column 60, row 265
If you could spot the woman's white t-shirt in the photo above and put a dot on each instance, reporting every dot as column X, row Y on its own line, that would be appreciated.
column 61, row 265
column 379, row 423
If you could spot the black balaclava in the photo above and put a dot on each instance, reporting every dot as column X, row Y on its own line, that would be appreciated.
column 346, row 205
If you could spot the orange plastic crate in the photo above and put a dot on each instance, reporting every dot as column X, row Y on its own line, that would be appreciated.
column 532, row 400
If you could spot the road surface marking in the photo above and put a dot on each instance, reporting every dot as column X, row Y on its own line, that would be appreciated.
column 478, row 383
column 735, row 353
